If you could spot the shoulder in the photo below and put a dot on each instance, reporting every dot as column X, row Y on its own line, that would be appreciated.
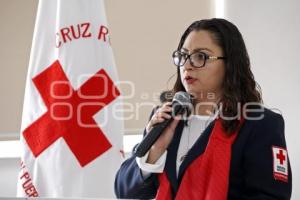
column 260, row 116
column 272, row 116
column 266, row 125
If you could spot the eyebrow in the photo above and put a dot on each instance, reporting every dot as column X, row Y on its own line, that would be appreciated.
column 198, row 49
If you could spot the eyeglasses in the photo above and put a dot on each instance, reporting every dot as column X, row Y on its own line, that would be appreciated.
column 197, row 59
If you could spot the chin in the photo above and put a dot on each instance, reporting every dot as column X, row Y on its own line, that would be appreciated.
column 191, row 91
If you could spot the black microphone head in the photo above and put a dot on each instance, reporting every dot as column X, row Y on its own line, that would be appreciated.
column 183, row 101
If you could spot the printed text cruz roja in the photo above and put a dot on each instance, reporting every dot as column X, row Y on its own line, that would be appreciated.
column 81, row 31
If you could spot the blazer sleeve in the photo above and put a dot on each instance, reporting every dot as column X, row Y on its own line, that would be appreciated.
column 129, row 181
column 130, row 184
column 260, row 164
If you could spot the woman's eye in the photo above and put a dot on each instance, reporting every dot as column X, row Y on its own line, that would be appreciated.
column 200, row 56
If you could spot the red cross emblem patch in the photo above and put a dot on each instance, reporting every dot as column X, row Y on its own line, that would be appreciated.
column 280, row 163
column 70, row 113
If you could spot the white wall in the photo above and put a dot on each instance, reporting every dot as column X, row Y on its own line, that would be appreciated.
column 271, row 29
column 9, row 168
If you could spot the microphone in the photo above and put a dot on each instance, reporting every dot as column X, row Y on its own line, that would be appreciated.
column 181, row 104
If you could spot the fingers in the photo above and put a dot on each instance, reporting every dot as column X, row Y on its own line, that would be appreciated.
column 160, row 115
column 166, row 107
column 174, row 124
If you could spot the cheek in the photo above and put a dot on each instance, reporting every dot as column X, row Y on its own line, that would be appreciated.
column 218, row 77
column 212, row 79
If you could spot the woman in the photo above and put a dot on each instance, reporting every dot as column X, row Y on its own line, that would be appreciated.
column 231, row 148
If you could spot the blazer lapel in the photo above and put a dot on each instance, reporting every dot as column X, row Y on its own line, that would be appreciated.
column 170, row 166
column 197, row 149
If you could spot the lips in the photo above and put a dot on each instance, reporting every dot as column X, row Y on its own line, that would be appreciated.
column 189, row 79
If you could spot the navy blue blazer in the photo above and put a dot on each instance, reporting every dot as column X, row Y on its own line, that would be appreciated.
column 251, row 167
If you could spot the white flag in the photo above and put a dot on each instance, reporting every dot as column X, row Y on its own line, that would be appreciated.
column 72, row 128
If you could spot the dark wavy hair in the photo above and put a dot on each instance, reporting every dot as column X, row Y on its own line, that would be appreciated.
column 239, row 86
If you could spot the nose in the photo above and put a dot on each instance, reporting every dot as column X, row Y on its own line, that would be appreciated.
column 187, row 65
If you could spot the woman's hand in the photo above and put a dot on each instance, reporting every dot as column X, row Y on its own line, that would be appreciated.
column 159, row 147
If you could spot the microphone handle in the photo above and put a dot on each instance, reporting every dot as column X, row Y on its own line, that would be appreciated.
column 151, row 137
column 155, row 132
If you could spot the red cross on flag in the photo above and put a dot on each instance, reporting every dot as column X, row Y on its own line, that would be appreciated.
column 72, row 127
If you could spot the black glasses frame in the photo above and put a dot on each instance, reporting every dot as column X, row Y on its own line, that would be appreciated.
column 188, row 56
